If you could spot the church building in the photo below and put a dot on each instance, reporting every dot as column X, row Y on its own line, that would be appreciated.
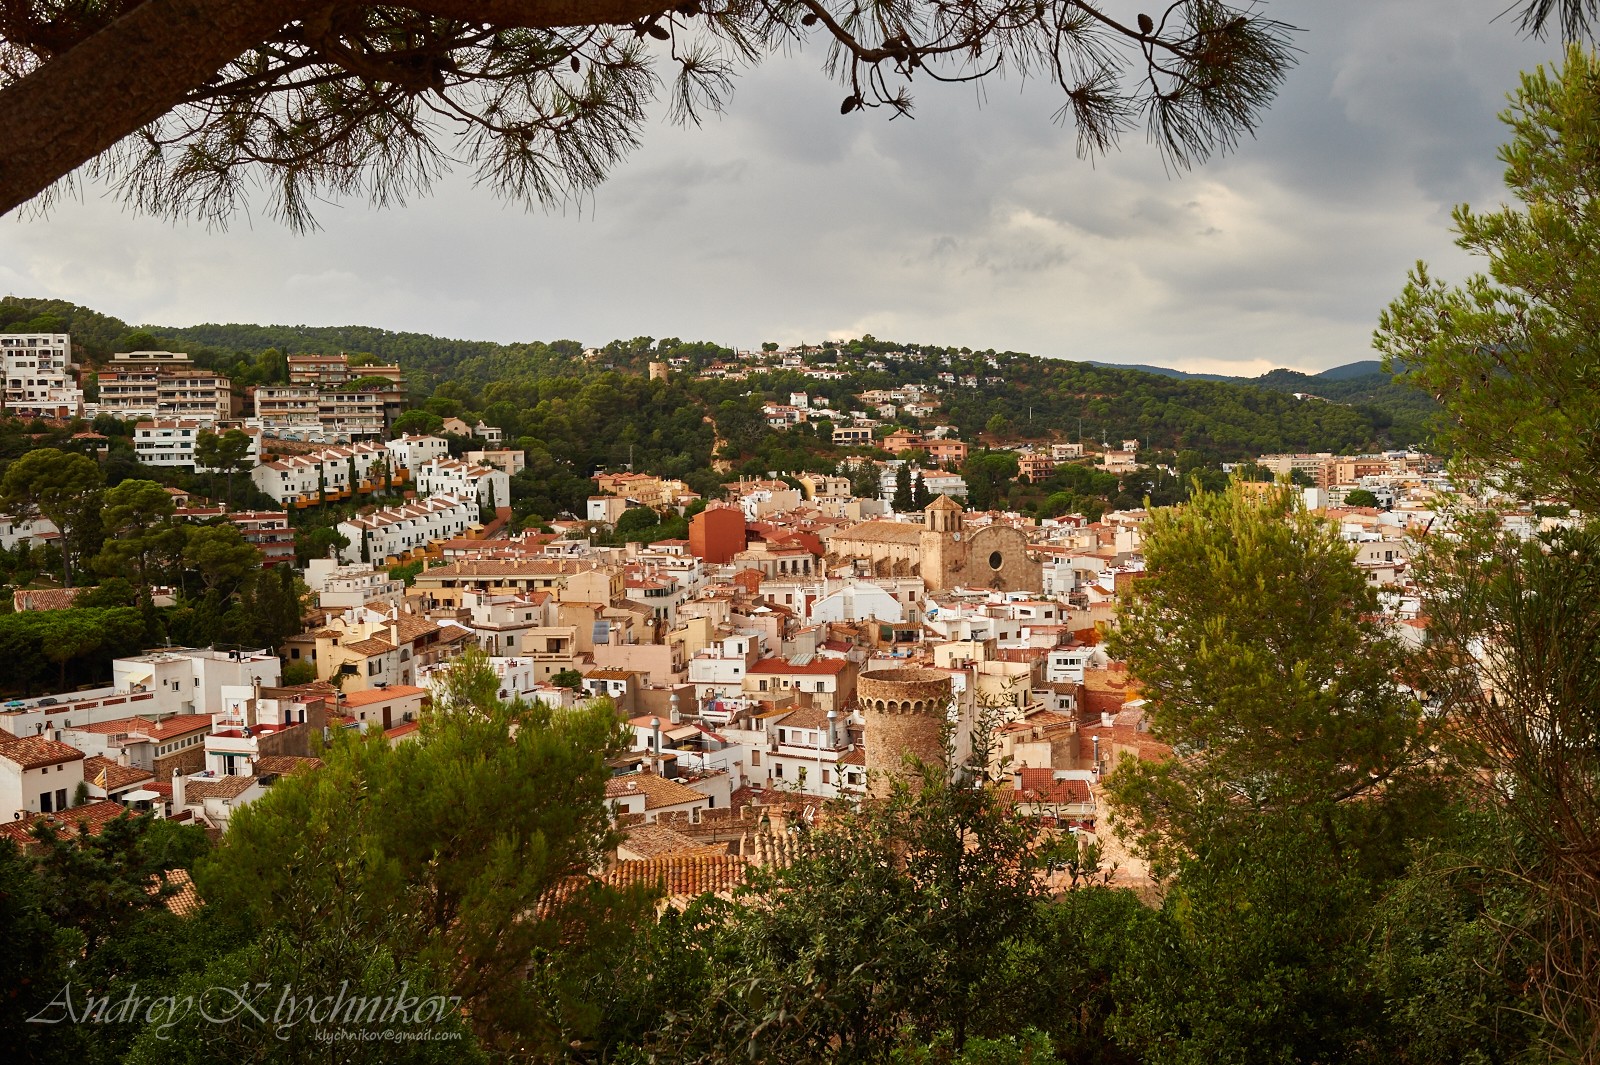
column 942, row 551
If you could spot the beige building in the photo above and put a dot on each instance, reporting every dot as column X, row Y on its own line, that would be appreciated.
column 942, row 551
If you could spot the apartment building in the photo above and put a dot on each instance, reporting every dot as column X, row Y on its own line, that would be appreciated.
column 331, row 473
column 513, row 462
column 203, row 395
column 300, row 412
column 335, row 371
column 40, row 376
column 346, row 416
column 406, row 531
column 269, row 532
column 410, row 452
column 290, row 412
column 163, row 384
column 171, row 442
column 490, row 486
column 319, row 371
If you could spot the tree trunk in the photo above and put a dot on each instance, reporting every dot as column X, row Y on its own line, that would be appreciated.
column 83, row 101
column 124, row 77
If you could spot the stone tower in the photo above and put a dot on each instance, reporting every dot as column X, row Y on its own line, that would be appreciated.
column 943, row 549
column 904, row 711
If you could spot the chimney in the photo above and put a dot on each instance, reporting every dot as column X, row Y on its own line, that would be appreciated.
column 1096, row 741
column 1016, row 776
column 673, row 715
column 179, row 793
column 833, row 716
column 655, row 739
column 1107, row 719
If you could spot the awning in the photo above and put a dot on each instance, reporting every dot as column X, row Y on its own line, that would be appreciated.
column 142, row 795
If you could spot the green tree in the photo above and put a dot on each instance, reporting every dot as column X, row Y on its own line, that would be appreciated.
column 1257, row 953
column 63, row 487
column 507, row 805
column 891, row 925
column 321, row 542
column 219, row 556
column 904, row 499
column 1513, row 355
column 141, row 540
column 1254, row 640
column 1360, row 497
column 1515, row 656
column 335, row 106
column 636, row 518
column 415, row 422
column 36, row 958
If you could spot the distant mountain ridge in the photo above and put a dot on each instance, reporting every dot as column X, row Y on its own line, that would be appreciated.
column 1361, row 368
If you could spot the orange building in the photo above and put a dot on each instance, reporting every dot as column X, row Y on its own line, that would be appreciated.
column 717, row 533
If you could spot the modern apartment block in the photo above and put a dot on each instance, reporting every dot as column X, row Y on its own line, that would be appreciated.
column 171, row 442
column 163, row 384
column 290, row 412
column 203, row 395
column 302, row 412
column 40, row 378
column 319, row 371
column 333, row 372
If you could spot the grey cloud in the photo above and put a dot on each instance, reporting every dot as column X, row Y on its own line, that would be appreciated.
column 978, row 225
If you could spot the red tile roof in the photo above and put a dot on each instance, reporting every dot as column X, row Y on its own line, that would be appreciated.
column 815, row 667
column 177, row 725
column 35, row 752
column 112, row 776
column 90, row 817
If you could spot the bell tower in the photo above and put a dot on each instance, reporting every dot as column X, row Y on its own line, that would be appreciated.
column 943, row 546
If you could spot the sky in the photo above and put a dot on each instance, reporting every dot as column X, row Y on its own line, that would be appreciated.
column 975, row 224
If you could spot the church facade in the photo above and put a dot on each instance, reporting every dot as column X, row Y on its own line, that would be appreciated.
column 942, row 551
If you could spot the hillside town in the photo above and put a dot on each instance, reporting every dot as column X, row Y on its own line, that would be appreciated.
column 752, row 659
column 1205, row 670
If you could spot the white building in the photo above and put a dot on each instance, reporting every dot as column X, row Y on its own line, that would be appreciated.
column 176, row 680
column 39, row 375
column 347, row 587
column 721, row 668
column 399, row 532
column 332, row 471
column 411, row 452
column 172, row 443
column 37, row 775
column 35, row 533
column 510, row 460
column 491, row 486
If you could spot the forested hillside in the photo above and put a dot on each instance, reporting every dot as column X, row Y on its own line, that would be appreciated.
column 576, row 413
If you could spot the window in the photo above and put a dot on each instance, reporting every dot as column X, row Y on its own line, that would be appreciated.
column 777, row 770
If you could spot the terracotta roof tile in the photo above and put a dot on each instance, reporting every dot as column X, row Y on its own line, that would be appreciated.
column 220, row 788
column 657, row 791
column 185, row 898
column 34, row 752
column 167, row 728
column 112, row 776
column 91, row 816
column 286, row 765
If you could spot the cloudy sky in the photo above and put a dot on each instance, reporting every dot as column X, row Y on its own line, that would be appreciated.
column 975, row 224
